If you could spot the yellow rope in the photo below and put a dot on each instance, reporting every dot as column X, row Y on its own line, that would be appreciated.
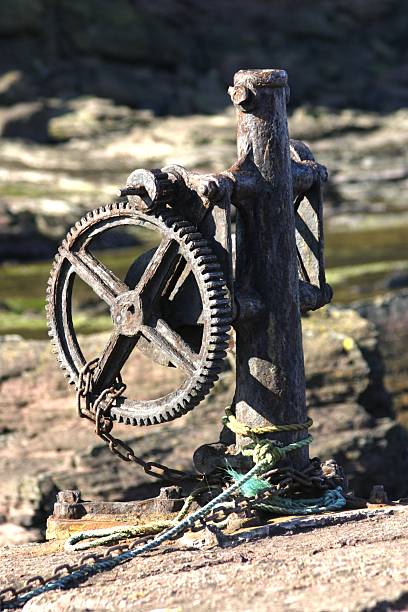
column 241, row 429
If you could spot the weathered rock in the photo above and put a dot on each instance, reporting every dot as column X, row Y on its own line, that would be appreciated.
column 102, row 142
column 90, row 117
column 360, row 565
column 63, row 46
column 15, row 87
column 350, row 403
column 21, row 17
column 343, row 361
column 27, row 120
column 389, row 314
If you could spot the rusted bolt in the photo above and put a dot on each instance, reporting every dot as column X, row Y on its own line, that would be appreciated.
column 242, row 96
column 129, row 191
column 69, row 497
column 209, row 189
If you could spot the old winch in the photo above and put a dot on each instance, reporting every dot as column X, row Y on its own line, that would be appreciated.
column 177, row 302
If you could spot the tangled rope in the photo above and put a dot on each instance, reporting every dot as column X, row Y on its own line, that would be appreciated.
column 265, row 454
column 101, row 537
column 108, row 564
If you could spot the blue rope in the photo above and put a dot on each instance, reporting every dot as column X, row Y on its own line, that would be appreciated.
column 266, row 454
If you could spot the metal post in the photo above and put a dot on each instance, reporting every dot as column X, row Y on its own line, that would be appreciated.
column 270, row 385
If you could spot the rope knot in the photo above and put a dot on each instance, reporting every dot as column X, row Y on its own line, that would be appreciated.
column 264, row 451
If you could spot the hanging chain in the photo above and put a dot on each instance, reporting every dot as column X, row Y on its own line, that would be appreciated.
column 97, row 410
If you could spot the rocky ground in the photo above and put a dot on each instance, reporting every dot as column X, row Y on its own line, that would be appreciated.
column 46, row 187
column 355, row 566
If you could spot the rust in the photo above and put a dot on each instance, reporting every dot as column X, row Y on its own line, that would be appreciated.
column 193, row 279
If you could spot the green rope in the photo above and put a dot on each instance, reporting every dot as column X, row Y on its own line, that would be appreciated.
column 266, row 450
column 331, row 500
column 101, row 537
column 265, row 454
column 241, row 429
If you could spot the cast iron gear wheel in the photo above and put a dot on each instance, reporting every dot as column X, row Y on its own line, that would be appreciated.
column 134, row 310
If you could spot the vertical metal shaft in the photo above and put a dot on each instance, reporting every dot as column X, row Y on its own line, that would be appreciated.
column 270, row 386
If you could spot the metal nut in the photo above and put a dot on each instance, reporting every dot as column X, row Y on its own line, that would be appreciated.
column 242, row 97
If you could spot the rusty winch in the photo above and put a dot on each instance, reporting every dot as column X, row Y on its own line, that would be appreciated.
column 178, row 301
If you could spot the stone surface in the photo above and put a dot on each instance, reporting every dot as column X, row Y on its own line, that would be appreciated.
column 351, row 402
column 390, row 316
column 354, row 566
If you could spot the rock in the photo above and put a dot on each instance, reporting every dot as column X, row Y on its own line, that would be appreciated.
column 370, row 455
column 90, row 117
column 18, row 356
column 356, row 565
column 13, row 535
column 28, row 120
column 343, row 362
column 62, row 47
column 397, row 281
column 389, row 314
column 350, row 405
column 15, row 87
column 21, row 17
column 35, row 500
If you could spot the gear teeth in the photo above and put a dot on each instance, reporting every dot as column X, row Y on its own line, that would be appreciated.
column 203, row 260
column 181, row 224
column 216, row 275
column 206, row 269
column 193, row 236
column 186, row 230
column 202, row 251
column 213, row 266
column 215, row 284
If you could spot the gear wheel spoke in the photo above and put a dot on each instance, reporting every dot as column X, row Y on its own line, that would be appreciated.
column 157, row 272
column 101, row 280
column 137, row 310
column 112, row 359
column 178, row 351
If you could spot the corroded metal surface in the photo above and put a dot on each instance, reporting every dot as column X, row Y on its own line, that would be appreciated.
column 137, row 311
column 270, row 372
column 72, row 514
column 194, row 278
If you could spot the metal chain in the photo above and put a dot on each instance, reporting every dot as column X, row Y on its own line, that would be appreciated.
column 97, row 410
column 217, row 518
column 9, row 596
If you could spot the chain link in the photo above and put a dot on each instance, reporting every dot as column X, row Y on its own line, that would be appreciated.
column 97, row 410
column 217, row 518
column 7, row 602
